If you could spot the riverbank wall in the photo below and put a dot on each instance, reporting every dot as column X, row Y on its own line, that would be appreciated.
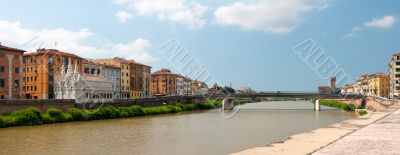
column 8, row 106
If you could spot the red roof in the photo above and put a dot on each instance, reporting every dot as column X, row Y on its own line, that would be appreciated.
column 51, row 52
column 99, row 64
column 2, row 47
column 164, row 72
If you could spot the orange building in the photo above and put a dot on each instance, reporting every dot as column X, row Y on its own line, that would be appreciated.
column 40, row 70
column 163, row 83
column 140, row 80
column 10, row 72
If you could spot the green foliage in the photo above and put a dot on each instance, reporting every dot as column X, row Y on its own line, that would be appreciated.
column 55, row 115
column 156, row 110
column 338, row 104
column 32, row 116
column 240, row 102
column 362, row 112
column 107, row 112
column 228, row 90
column 205, row 106
column 29, row 116
column 174, row 109
column 77, row 114
column 187, row 107
column 136, row 111
column 2, row 122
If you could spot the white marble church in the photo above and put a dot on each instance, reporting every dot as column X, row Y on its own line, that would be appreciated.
column 84, row 87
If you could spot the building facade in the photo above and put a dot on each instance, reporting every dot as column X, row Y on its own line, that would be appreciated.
column 40, row 68
column 113, row 73
column 163, row 83
column 378, row 85
column 394, row 76
column 180, row 88
column 146, row 92
column 187, row 86
column 246, row 90
column 324, row 90
column 124, row 66
column 11, row 72
column 199, row 88
column 140, row 80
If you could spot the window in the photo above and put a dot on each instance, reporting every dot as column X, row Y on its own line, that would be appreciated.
column 397, row 75
column 398, row 63
column 126, row 74
column 1, row 68
column 2, row 83
column 1, row 54
column 16, row 83
column 397, row 69
column 16, row 70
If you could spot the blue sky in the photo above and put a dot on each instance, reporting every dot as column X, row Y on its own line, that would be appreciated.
column 247, row 43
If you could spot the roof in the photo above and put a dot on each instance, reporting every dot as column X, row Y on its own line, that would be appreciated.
column 51, row 52
column 164, row 72
column 137, row 63
column 396, row 54
column 126, row 61
column 99, row 64
column 2, row 47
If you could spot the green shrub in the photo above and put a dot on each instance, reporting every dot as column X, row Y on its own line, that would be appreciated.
column 205, row 106
column 2, row 122
column 187, row 107
column 136, row 111
column 46, row 119
column 174, row 109
column 29, row 116
column 55, row 115
column 123, row 112
column 156, row 110
column 107, row 112
column 362, row 112
column 338, row 104
column 77, row 114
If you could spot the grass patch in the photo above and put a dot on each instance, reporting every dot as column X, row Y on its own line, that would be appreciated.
column 362, row 112
column 338, row 104
column 32, row 116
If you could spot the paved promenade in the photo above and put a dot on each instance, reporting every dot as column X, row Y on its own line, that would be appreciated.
column 375, row 133
column 381, row 137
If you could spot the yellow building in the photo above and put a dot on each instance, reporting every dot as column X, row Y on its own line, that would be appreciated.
column 40, row 69
column 125, row 73
column 349, row 90
column 378, row 85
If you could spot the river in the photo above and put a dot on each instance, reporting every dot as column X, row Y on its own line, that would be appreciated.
column 199, row 132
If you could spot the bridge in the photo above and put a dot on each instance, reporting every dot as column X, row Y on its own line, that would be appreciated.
column 285, row 95
column 228, row 99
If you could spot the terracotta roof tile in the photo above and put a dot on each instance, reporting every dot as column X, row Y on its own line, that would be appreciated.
column 2, row 47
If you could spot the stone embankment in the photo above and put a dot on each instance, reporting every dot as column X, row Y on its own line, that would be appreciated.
column 361, row 134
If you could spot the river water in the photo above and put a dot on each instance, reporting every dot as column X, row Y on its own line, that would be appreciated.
column 200, row 132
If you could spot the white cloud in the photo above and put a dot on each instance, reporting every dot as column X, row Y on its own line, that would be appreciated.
column 279, row 16
column 181, row 11
column 354, row 31
column 384, row 22
column 123, row 16
column 13, row 34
